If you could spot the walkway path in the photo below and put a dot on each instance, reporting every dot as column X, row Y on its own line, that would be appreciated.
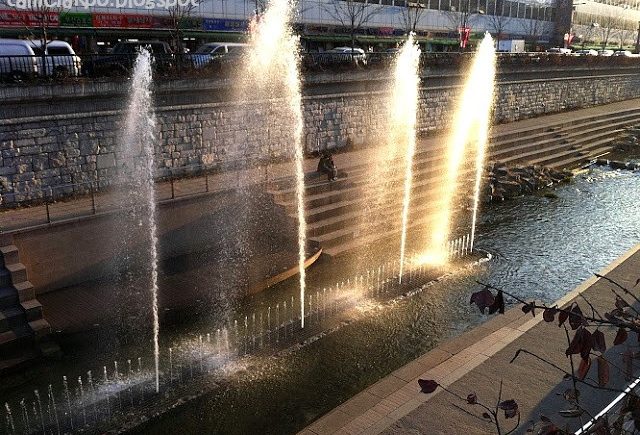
column 476, row 362
column 105, row 202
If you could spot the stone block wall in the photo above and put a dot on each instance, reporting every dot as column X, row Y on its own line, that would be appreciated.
column 75, row 147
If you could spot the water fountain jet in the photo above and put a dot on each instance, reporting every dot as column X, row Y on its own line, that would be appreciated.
column 272, row 71
column 484, row 67
column 403, row 124
column 471, row 126
column 138, row 151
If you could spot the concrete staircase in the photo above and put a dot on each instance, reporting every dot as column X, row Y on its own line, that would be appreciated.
column 23, row 330
column 336, row 211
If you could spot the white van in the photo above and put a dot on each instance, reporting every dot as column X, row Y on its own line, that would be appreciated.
column 17, row 59
column 60, row 59
column 208, row 52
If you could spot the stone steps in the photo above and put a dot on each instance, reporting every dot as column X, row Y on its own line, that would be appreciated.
column 336, row 211
column 317, row 195
column 344, row 204
column 23, row 330
column 570, row 135
column 557, row 152
column 384, row 219
column 385, row 233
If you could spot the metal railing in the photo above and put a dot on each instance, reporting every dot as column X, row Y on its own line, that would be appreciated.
column 65, row 202
column 47, row 68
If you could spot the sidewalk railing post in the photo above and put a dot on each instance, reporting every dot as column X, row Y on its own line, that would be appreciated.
column 206, row 182
column 173, row 192
column 46, row 205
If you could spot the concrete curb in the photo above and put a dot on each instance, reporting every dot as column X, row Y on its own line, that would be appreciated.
column 393, row 397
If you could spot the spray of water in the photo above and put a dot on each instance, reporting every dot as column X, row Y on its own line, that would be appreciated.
column 273, row 66
column 471, row 124
column 404, row 112
column 484, row 67
column 138, row 150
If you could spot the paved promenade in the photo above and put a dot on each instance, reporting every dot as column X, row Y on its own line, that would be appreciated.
column 106, row 202
column 476, row 362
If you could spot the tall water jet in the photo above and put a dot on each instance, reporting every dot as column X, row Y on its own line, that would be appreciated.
column 272, row 71
column 470, row 127
column 138, row 176
column 484, row 68
column 404, row 113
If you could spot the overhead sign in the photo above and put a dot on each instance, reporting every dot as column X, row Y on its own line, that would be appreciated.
column 75, row 19
column 28, row 19
column 108, row 20
column 9, row 18
column 224, row 25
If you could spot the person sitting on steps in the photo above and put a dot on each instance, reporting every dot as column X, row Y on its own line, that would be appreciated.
column 327, row 166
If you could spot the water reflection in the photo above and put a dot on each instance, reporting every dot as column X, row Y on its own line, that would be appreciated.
column 543, row 248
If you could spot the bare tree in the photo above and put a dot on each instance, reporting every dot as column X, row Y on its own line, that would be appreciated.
column 352, row 14
column 179, row 16
column 587, row 33
column 625, row 32
column 533, row 30
column 463, row 16
column 411, row 14
column 498, row 22
column 607, row 26
column 259, row 6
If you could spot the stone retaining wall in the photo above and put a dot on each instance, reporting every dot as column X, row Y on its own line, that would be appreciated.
column 47, row 156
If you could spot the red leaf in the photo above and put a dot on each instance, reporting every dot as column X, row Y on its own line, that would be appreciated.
column 529, row 307
column 472, row 399
column 581, row 343
column 483, row 299
column 587, row 344
column 562, row 317
column 427, row 386
column 583, row 369
column 621, row 336
column 603, row 371
column 549, row 314
column 598, row 341
column 498, row 304
column 575, row 317
column 510, row 408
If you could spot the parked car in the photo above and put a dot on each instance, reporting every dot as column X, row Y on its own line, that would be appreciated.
column 559, row 50
column 17, row 59
column 212, row 53
column 350, row 54
column 586, row 52
column 605, row 52
column 623, row 53
column 123, row 55
column 59, row 58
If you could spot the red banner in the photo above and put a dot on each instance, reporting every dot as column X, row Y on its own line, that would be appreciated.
column 464, row 32
column 10, row 18
column 108, row 20
column 123, row 21
column 139, row 21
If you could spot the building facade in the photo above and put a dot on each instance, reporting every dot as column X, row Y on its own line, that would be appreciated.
column 327, row 23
